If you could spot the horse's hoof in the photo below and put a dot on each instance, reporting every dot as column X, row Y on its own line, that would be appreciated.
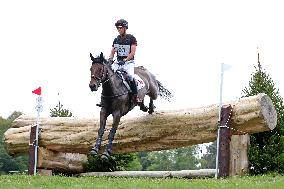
column 151, row 109
column 105, row 156
column 94, row 152
column 144, row 108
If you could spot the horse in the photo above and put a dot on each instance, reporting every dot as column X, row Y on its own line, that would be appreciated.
column 116, row 97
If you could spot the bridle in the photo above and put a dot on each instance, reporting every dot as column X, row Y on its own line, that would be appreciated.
column 97, row 78
column 103, row 75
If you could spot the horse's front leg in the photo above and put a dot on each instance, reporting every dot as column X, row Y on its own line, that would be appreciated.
column 108, row 150
column 103, row 118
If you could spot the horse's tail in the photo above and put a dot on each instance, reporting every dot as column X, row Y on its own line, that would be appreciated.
column 163, row 92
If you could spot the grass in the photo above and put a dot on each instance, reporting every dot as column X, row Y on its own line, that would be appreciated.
column 57, row 182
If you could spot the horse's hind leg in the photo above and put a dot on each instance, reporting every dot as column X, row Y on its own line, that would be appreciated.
column 143, row 107
column 151, row 106
column 96, row 148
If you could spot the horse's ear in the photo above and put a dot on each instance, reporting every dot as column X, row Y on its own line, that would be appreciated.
column 102, row 57
column 92, row 58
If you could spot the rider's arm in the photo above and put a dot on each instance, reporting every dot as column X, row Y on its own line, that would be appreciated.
column 131, row 55
column 112, row 52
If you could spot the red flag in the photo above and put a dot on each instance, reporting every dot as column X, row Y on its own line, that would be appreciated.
column 37, row 91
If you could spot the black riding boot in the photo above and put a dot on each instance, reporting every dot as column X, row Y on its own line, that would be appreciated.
column 133, row 87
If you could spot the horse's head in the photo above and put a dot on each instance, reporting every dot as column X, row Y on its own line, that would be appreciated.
column 98, row 71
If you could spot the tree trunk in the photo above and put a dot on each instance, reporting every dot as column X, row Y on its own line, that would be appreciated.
column 160, row 131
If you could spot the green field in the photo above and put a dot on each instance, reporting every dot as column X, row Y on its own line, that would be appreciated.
column 54, row 182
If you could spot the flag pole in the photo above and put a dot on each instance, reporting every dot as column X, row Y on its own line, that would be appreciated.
column 36, row 143
column 220, row 106
column 33, row 155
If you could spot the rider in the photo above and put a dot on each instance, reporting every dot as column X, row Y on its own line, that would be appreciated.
column 124, row 45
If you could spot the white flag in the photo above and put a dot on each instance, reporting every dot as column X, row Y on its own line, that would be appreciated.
column 226, row 67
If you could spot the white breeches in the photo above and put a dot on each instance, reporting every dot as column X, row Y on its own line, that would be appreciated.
column 128, row 67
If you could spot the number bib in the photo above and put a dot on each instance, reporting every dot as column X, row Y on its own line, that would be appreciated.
column 122, row 50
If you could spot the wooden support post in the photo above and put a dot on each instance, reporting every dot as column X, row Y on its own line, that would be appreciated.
column 224, row 142
column 238, row 155
column 32, row 149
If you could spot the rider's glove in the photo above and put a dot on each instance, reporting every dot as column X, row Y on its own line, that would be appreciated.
column 121, row 62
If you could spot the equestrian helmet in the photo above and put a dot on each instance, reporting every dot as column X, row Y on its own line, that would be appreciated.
column 121, row 22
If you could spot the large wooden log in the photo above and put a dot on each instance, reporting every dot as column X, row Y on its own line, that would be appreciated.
column 162, row 130
column 63, row 162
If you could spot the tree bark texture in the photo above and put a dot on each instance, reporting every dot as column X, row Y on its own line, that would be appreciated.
column 239, row 155
column 63, row 162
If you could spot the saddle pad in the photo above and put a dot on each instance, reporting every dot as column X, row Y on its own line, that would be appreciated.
column 139, row 81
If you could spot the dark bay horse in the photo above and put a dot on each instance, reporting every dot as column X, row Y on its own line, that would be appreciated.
column 116, row 97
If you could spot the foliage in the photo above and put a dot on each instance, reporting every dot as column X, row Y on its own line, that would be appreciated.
column 30, row 182
column 176, row 159
column 208, row 160
column 134, row 165
column 117, row 162
column 144, row 160
column 59, row 111
column 14, row 115
column 8, row 163
column 266, row 151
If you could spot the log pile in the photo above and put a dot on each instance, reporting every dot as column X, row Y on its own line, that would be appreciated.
column 160, row 131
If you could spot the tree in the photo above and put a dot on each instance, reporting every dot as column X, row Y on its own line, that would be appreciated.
column 175, row 159
column 267, row 148
column 14, row 115
column 59, row 111
column 208, row 160
column 144, row 160
column 8, row 163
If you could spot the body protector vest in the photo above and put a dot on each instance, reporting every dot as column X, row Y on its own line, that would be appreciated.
column 122, row 45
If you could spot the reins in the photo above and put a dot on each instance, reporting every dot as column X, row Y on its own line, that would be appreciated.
column 108, row 79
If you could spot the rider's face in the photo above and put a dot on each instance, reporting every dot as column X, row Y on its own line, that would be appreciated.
column 121, row 30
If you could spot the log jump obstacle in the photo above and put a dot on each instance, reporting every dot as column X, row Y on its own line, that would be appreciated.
column 64, row 142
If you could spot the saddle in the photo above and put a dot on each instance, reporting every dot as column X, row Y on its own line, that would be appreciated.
column 126, row 80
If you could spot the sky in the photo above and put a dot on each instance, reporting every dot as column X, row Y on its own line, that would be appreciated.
column 183, row 43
